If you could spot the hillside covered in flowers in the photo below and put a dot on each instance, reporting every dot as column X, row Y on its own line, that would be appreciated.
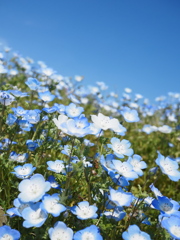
column 82, row 163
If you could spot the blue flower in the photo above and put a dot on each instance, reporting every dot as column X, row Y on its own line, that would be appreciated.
column 134, row 232
column 34, row 216
column 165, row 205
column 73, row 111
column 120, row 198
column 32, row 116
column 32, row 145
column 56, row 166
column 46, row 96
column 91, row 232
column 25, row 125
column 24, row 171
column 172, row 225
column 6, row 98
column 11, row 119
column 7, row 233
column 121, row 148
column 115, row 214
column 18, row 157
column 33, row 189
column 19, row 111
column 84, row 210
column 51, row 204
column 33, row 83
column 50, row 109
column 130, row 115
column 60, row 231
column 53, row 182
column 125, row 169
column 19, row 207
column 169, row 167
column 137, row 164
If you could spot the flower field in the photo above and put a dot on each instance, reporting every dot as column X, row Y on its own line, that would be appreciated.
column 82, row 163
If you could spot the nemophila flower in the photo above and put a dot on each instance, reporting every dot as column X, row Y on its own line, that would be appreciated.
column 104, row 122
column 169, row 167
column 74, row 128
column 73, row 111
column 33, row 83
column 84, row 210
column 133, row 232
column 32, row 116
column 51, row 204
column 18, row 93
column 60, row 231
column 46, row 96
column 155, row 190
column 88, row 233
column 53, row 182
column 19, row 111
column 25, row 125
column 125, row 169
column 11, row 119
column 34, row 216
column 24, row 171
column 137, row 164
column 33, row 189
column 60, row 108
column 119, row 180
column 4, row 145
column 165, row 205
column 50, row 109
column 165, row 129
column 115, row 214
column 6, row 233
column 6, row 98
column 120, row 198
column 149, row 129
column 32, row 145
column 18, row 157
column 19, row 207
column 58, row 122
column 121, row 148
column 172, row 225
column 107, row 163
column 130, row 115
column 56, row 166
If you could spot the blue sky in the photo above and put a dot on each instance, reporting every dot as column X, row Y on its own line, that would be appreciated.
column 125, row 43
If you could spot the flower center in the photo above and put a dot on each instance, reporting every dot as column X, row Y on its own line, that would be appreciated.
column 6, row 237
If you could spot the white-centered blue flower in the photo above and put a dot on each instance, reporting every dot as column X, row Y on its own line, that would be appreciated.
column 115, row 214
column 137, row 164
column 6, row 233
column 84, row 210
column 169, row 167
column 60, row 231
column 105, row 122
column 165, row 205
column 88, row 233
column 134, row 233
column 172, row 225
column 19, row 207
column 130, row 115
column 51, row 204
column 165, row 129
column 56, row 166
column 24, row 171
column 125, row 169
column 120, row 198
column 121, row 148
column 34, row 216
column 33, row 189
column 73, row 111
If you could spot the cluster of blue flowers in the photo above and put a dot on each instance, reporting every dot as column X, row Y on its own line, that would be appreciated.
column 53, row 117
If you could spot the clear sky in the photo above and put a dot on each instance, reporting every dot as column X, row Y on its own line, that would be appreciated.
column 125, row 43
